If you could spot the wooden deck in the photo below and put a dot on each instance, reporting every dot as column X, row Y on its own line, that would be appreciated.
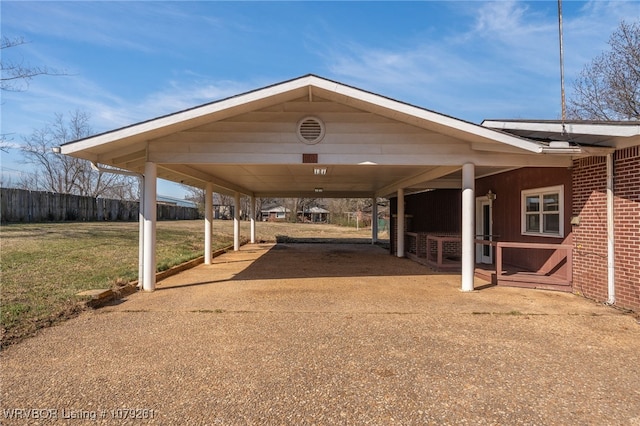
column 428, row 250
column 513, row 277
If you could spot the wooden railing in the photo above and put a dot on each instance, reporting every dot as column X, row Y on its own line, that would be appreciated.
column 431, row 249
column 534, row 277
column 439, row 260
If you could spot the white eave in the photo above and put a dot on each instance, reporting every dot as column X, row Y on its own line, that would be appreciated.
column 612, row 129
column 586, row 134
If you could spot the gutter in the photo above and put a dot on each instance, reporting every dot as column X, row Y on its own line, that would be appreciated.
column 115, row 171
column 561, row 147
column 552, row 150
column 611, row 277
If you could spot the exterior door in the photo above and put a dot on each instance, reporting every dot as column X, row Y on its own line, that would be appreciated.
column 484, row 253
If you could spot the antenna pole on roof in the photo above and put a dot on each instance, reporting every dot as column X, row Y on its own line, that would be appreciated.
column 562, row 98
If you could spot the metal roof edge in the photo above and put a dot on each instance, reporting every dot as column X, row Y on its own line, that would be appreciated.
column 585, row 127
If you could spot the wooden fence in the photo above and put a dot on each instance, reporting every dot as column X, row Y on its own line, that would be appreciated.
column 18, row 205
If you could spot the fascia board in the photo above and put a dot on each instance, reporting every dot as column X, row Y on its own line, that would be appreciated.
column 614, row 129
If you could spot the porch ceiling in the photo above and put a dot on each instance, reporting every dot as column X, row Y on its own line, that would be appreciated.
column 371, row 147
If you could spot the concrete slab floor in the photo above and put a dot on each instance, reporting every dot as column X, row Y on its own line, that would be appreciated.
column 331, row 334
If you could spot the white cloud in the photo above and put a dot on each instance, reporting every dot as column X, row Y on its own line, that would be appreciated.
column 502, row 18
column 587, row 34
column 9, row 144
column 505, row 64
column 85, row 22
column 439, row 75
column 23, row 112
column 179, row 95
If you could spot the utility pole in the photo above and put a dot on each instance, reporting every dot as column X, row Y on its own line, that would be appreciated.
column 562, row 96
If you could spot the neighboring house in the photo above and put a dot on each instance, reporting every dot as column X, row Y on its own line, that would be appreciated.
column 314, row 215
column 277, row 213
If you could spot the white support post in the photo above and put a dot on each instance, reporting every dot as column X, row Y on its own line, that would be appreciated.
column 141, row 231
column 374, row 220
column 468, row 228
column 253, row 219
column 150, row 216
column 208, row 222
column 401, row 226
column 236, row 221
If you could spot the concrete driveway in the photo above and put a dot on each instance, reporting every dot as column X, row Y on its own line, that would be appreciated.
column 329, row 334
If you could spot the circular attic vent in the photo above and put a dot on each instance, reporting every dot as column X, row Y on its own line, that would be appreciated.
column 310, row 130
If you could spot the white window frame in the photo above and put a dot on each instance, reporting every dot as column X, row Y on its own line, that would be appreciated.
column 559, row 189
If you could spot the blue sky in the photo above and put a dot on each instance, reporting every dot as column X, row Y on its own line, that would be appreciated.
column 131, row 61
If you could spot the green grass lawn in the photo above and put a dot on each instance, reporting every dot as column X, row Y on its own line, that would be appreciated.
column 44, row 266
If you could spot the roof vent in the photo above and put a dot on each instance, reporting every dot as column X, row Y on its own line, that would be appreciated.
column 310, row 130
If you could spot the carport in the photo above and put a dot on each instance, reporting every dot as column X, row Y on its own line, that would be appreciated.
column 311, row 137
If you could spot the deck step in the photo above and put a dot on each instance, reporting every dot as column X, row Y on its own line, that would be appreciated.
column 537, row 285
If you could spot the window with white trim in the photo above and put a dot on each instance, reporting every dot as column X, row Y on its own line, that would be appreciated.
column 542, row 211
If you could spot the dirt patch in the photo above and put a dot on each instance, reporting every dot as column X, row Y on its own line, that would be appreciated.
column 29, row 329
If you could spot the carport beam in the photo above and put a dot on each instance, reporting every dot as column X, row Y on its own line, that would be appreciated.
column 236, row 221
column 468, row 229
column 208, row 221
column 150, row 216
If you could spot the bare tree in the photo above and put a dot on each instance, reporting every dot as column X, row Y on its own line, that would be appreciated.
column 194, row 194
column 16, row 75
column 224, row 203
column 68, row 175
column 262, row 203
column 609, row 87
column 298, row 205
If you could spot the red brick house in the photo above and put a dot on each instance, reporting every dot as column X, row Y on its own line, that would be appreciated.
column 572, row 228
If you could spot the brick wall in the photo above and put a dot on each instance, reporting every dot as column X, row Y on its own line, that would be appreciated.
column 627, row 227
column 590, row 236
column 419, row 245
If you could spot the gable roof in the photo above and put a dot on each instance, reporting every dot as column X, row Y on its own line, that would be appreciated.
column 276, row 209
column 297, row 87
column 372, row 144
column 316, row 209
